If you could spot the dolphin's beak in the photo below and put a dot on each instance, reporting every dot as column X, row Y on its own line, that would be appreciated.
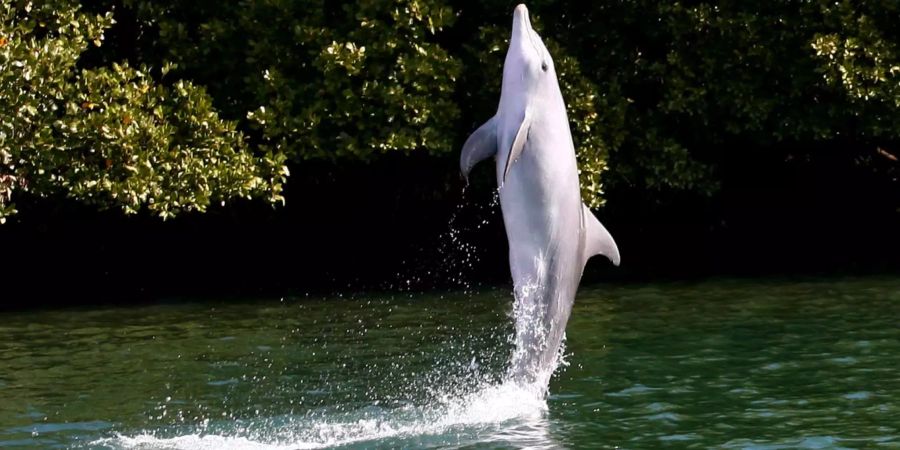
column 521, row 23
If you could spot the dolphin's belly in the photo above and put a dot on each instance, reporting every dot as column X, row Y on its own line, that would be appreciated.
column 541, row 199
column 541, row 206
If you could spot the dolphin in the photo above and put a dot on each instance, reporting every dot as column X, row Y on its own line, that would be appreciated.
column 551, row 232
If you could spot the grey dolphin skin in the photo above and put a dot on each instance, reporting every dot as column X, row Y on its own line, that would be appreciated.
column 551, row 232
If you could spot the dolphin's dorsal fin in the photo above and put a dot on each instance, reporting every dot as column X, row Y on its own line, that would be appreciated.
column 482, row 144
column 597, row 241
column 519, row 142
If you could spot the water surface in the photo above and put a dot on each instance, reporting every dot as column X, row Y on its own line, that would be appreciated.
column 724, row 364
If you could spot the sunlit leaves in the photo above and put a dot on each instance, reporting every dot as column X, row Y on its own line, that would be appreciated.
column 111, row 136
column 660, row 95
column 322, row 80
column 858, row 53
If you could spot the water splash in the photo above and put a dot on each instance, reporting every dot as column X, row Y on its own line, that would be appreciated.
column 453, row 258
column 528, row 366
column 502, row 412
column 459, row 407
column 464, row 397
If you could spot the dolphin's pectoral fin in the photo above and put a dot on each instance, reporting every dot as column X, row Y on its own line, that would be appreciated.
column 481, row 145
column 518, row 143
column 597, row 241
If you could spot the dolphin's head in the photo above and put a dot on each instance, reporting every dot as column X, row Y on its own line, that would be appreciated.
column 528, row 64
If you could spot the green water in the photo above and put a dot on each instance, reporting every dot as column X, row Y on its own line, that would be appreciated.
column 729, row 364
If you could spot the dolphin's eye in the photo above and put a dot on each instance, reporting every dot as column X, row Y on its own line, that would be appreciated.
column 544, row 66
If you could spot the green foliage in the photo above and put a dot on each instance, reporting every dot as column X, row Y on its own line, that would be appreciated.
column 323, row 80
column 661, row 95
column 698, row 84
column 360, row 78
column 859, row 54
column 111, row 136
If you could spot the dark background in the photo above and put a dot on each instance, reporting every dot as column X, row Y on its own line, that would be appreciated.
column 801, row 188
column 380, row 226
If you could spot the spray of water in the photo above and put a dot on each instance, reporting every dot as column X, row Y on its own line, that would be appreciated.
column 471, row 407
column 495, row 413
column 451, row 260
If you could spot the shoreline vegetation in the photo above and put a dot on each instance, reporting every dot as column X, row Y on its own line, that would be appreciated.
column 156, row 148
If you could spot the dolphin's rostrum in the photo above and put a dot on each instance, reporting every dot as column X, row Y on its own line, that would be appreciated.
column 551, row 232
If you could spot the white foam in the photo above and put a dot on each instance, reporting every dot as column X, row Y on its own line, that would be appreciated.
column 510, row 410
column 192, row 441
column 477, row 413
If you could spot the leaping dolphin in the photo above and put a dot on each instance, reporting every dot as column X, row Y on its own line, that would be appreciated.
column 551, row 233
